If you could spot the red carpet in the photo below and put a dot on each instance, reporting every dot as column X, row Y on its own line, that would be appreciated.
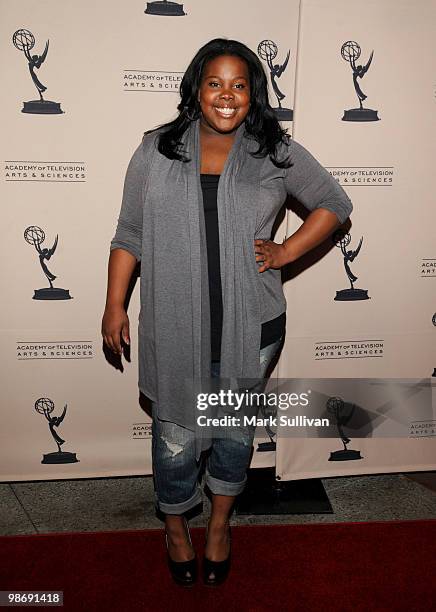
column 348, row 567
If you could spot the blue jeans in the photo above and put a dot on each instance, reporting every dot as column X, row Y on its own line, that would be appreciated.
column 175, row 469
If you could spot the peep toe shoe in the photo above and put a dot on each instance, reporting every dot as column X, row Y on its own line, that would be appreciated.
column 216, row 572
column 182, row 572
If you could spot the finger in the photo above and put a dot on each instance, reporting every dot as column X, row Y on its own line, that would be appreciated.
column 117, row 343
column 265, row 250
column 109, row 343
column 125, row 333
column 259, row 249
column 114, row 343
column 264, row 267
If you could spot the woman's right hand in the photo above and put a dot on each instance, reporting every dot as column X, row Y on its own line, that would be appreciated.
column 114, row 326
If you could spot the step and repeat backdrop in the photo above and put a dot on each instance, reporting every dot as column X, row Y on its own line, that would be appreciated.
column 85, row 80
column 365, row 103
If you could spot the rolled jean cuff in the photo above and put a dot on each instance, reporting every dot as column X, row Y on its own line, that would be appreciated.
column 223, row 487
column 181, row 507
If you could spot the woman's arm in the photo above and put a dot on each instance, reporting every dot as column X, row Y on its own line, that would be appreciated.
column 125, row 251
column 318, row 226
column 128, row 235
column 312, row 185
column 115, row 322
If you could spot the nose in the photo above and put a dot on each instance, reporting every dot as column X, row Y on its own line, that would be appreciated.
column 226, row 94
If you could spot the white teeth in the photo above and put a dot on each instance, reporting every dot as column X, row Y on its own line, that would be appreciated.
column 225, row 111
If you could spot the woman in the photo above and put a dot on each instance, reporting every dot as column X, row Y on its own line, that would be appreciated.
column 200, row 197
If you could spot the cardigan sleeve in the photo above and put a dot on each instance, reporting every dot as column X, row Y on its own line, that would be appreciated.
column 312, row 185
column 128, row 234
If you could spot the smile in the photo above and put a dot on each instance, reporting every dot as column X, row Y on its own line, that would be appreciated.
column 225, row 111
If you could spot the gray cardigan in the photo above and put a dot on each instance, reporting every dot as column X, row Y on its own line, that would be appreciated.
column 161, row 223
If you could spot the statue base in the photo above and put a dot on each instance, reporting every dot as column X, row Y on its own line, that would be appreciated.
column 169, row 9
column 52, row 293
column 42, row 107
column 284, row 114
column 345, row 455
column 59, row 457
column 349, row 295
column 360, row 114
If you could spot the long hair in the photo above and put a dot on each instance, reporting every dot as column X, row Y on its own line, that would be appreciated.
column 260, row 122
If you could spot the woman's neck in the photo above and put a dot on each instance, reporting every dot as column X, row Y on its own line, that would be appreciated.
column 209, row 133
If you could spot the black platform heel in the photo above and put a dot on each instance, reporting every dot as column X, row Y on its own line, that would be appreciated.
column 216, row 572
column 182, row 572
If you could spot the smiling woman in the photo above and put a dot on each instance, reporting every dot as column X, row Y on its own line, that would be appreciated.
column 224, row 98
column 200, row 199
column 224, row 94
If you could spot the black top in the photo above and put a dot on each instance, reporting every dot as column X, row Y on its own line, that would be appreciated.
column 271, row 330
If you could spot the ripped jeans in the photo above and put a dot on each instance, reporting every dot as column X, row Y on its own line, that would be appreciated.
column 175, row 469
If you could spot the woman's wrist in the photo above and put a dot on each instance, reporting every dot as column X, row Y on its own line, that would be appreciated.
column 290, row 250
column 114, row 305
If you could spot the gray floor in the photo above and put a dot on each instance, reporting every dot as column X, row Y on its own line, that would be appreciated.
column 127, row 503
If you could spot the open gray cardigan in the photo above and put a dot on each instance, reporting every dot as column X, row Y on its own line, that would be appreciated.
column 161, row 223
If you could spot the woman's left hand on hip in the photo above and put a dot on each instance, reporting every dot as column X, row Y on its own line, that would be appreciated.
column 271, row 254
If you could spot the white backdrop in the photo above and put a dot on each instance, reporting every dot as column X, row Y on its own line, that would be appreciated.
column 115, row 72
column 387, row 169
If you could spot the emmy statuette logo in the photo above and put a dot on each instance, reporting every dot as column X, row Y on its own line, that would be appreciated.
column 268, row 50
column 342, row 413
column 350, row 52
column 36, row 236
column 342, row 240
column 25, row 41
column 45, row 406
column 165, row 8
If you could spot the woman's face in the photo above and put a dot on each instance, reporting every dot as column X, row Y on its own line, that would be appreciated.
column 224, row 94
